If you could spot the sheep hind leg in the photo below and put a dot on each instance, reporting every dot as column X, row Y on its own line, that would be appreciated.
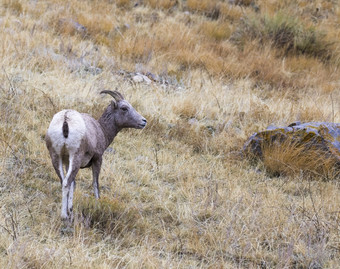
column 61, row 170
column 58, row 165
column 68, row 189
column 70, row 199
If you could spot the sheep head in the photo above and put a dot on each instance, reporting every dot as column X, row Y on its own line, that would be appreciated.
column 125, row 115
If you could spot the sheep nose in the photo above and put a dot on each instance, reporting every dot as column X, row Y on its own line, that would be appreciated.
column 144, row 122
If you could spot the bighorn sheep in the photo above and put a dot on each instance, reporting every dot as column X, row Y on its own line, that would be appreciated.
column 77, row 140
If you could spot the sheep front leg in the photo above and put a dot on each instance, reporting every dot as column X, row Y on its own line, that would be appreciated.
column 96, row 165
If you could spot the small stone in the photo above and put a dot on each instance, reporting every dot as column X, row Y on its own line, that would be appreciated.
column 110, row 150
column 141, row 158
column 193, row 121
column 146, row 80
column 138, row 78
column 152, row 76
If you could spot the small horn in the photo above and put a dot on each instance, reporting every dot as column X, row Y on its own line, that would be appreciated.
column 115, row 94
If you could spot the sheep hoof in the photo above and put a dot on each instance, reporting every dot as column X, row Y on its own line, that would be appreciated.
column 68, row 230
column 64, row 216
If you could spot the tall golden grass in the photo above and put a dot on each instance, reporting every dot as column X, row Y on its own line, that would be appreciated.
column 177, row 194
column 292, row 157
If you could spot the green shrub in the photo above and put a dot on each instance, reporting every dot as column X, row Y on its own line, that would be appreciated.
column 285, row 32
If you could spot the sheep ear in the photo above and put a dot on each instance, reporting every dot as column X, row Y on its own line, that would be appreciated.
column 114, row 104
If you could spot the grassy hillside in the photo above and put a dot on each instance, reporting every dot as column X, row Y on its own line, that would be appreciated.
column 176, row 194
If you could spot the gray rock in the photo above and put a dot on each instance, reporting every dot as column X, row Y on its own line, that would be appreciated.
column 319, row 137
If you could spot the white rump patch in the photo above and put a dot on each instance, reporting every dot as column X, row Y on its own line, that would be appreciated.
column 76, row 127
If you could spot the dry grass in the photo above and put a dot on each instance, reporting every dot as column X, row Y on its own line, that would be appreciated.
column 177, row 194
column 288, row 33
column 291, row 158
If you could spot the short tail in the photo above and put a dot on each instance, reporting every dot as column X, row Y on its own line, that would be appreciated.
column 65, row 129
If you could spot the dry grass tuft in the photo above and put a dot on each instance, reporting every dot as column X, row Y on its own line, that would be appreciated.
column 110, row 217
column 124, row 3
column 285, row 32
column 194, row 135
column 209, row 8
column 162, row 4
column 291, row 158
column 14, row 5
column 215, row 30
column 186, row 108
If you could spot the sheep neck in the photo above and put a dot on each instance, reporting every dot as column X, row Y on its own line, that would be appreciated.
column 107, row 122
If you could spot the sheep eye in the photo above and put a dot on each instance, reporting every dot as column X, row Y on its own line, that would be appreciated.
column 124, row 109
